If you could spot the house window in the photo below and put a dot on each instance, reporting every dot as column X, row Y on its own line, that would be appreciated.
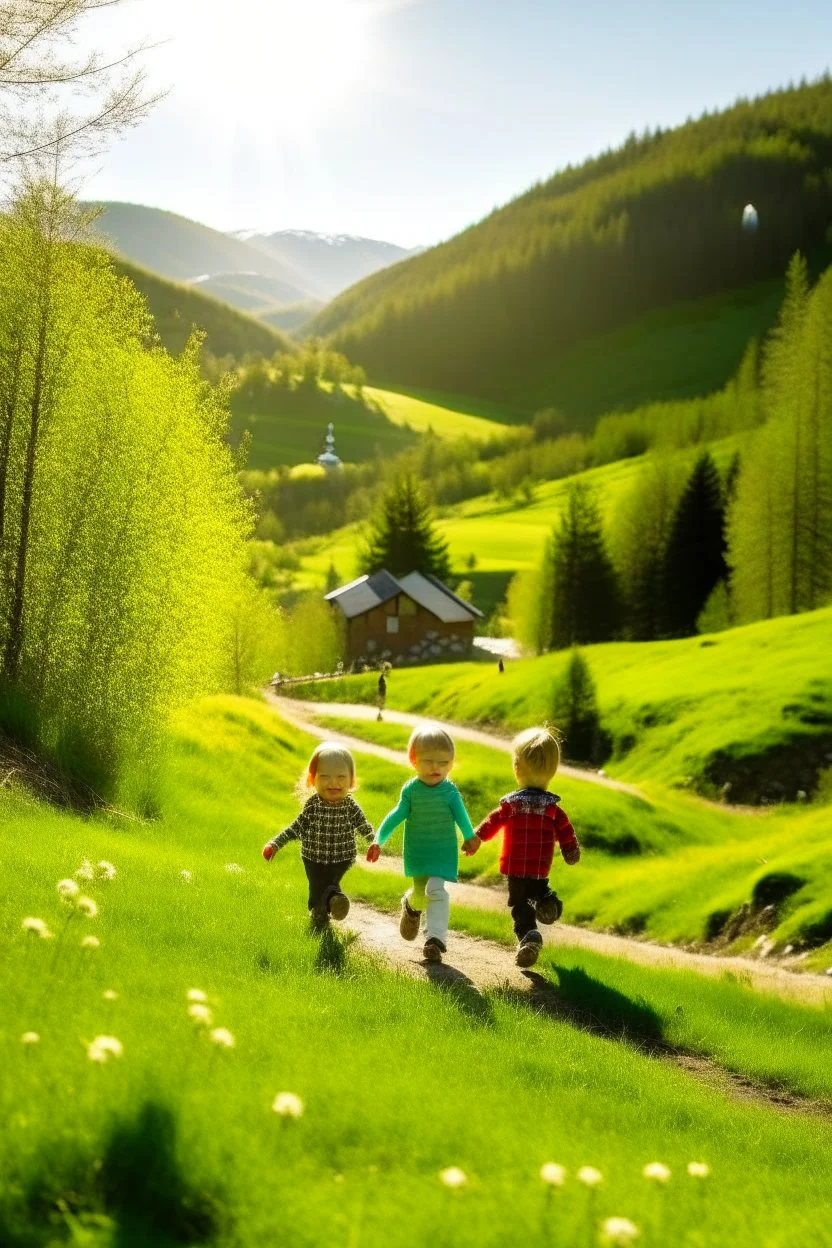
column 392, row 623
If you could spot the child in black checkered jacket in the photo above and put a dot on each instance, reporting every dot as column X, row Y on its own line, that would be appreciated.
column 326, row 829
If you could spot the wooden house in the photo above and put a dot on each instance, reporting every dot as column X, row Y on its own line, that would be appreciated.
column 405, row 620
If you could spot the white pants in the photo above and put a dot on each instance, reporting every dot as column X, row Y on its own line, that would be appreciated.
column 430, row 894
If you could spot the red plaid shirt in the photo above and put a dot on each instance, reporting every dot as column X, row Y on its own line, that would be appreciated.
column 531, row 822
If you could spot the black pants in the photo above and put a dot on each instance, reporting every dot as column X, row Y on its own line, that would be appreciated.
column 324, row 882
column 522, row 891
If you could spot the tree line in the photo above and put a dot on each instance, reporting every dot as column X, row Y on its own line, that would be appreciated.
column 691, row 548
column 652, row 223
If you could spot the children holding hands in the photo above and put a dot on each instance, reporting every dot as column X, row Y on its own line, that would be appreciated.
column 431, row 808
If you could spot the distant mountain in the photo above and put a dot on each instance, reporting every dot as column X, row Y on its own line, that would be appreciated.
column 283, row 278
column 329, row 263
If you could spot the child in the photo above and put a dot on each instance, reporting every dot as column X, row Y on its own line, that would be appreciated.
column 432, row 808
column 531, row 821
column 326, row 829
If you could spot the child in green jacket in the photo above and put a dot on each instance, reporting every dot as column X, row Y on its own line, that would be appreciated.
column 432, row 809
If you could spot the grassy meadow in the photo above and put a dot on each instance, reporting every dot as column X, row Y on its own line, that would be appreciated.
column 175, row 1140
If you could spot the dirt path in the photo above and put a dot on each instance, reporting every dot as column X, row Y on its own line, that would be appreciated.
column 475, row 968
column 298, row 713
column 803, row 988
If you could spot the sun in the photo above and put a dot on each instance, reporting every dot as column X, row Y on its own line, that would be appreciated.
column 285, row 64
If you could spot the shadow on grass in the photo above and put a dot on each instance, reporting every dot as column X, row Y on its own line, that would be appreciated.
column 136, row 1186
column 461, row 991
column 331, row 958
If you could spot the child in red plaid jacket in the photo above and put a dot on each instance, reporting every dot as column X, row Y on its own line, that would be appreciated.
column 532, row 822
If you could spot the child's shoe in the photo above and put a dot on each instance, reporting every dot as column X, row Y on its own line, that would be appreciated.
column 339, row 906
column 529, row 949
column 410, row 920
column 433, row 949
column 550, row 909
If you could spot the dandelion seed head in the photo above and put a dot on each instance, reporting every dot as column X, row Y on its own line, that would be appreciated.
column 68, row 890
column 453, row 1177
column 553, row 1174
column 105, row 870
column 110, row 995
column 589, row 1176
column 30, row 1037
column 287, row 1105
column 103, row 1048
column 222, row 1037
column 196, row 994
column 87, row 907
column 186, row 875
column 37, row 927
column 85, row 871
column 656, row 1171
column 618, row 1232
column 201, row 1015
column 698, row 1169
column 90, row 942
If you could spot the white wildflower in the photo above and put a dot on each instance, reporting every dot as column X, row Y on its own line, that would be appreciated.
column 110, row 995
column 185, row 875
column 37, row 927
column 201, row 1015
column 287, row 1105
column 698, row 1169
column 656, row 1171
column 222, row 1037
column 105, row 870
column 68, row 890
column 30, row 1037
column 234, row 868
column 90, row 942
column 618, row 1232
column 196, row 994
column 453, row 1177
column 553, row 1174
column 589, row 1176
column 103, row 1048
column 87, row 907
column 85, row 871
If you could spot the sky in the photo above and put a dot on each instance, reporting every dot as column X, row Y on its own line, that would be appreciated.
column 408, row 120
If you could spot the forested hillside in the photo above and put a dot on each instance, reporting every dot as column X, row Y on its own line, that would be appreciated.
column 643, row 227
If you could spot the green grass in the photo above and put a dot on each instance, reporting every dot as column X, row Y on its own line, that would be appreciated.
column 175, row 1142
column 448, row 416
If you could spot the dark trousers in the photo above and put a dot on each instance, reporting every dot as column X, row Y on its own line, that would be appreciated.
column 523, row 890
column 324, row 882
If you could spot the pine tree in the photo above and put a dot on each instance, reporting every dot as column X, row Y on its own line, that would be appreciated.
column 586, row 603
column 575, row 710
column 402, row 536
column 695, row 559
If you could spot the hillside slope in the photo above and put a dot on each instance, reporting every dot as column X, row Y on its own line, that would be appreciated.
column 176, row 309
column 593, row 248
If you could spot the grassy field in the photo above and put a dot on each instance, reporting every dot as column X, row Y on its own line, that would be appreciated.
column 448, row 416
column 175, row 1141
column 749, row 704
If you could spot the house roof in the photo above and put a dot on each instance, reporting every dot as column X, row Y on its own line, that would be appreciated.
column 361, row 595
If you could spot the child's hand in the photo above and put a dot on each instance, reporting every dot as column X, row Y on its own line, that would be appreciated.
column 373, row 852
column 471, row 846
column 269, row 852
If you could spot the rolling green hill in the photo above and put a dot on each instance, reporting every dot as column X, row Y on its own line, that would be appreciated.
column 176, row 309
column 496, row 310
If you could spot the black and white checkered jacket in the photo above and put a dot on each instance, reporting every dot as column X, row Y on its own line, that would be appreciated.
column 326, row 830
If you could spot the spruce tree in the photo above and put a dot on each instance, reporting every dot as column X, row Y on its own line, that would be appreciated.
column 640, row 534
column 695, row 558
column 402, row 536
column 585, row 598
column 575, row 710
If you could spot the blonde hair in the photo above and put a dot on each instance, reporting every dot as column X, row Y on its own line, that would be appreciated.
column 538, row 750
column 327, row 751
column 429, row 737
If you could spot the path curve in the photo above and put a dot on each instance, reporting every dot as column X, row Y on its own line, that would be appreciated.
column 473, row 967
column 803, row 987
column 293, row 710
